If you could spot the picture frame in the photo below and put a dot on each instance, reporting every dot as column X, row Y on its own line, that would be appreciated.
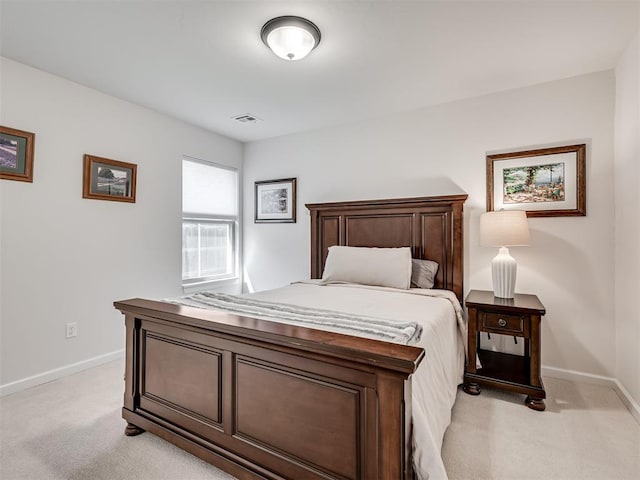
column 275, row 201
column 106, row 179
column 546, row 182
column 16, row 154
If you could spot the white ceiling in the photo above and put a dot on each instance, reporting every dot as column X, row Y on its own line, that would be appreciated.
column 204, row 62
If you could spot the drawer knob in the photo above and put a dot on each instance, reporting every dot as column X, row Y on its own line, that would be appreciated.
column 502, row 322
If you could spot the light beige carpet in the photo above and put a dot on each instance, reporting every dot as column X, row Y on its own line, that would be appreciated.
column 72, row 429
column 586, row 433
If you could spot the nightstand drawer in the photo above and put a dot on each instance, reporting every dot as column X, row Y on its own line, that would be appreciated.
column 501, row 323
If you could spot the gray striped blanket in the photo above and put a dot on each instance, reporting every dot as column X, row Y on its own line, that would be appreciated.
column 396, row 331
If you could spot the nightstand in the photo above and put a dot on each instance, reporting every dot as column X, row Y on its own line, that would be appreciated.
column 518, row 317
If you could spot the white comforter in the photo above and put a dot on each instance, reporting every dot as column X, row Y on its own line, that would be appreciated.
column 443, row 339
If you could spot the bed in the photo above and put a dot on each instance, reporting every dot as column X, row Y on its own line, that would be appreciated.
column 265, row 399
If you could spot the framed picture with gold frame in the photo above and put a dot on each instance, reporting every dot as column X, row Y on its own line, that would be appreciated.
column 16, row 154
column 106, row 179
column 547, row 182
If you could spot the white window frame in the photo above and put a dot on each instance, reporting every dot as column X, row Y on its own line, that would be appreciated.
column 194, row 284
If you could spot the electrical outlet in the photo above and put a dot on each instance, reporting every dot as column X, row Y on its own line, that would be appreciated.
column 71, row 330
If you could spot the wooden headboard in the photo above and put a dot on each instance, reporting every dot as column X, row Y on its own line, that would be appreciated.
column 431, row 226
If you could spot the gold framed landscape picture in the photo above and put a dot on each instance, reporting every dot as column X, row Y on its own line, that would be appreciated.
column 547, row 182
column 16, row 154
column 106, row 179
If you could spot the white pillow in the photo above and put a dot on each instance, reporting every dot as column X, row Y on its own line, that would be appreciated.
column 385, row 267
column 423, row 273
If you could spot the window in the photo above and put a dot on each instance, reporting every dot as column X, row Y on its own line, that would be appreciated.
column 209, row 222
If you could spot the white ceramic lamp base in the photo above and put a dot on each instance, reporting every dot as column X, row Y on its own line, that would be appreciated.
column 503, row 274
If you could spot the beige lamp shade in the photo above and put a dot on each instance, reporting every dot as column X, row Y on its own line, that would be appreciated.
column 505, row 228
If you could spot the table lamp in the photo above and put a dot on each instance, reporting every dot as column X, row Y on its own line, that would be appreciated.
column 505, row 228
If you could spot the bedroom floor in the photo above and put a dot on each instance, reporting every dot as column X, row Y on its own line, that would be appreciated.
column 586, row 432
column 71, row 429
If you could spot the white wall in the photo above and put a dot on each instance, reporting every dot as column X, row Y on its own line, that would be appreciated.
column 66, row 259
column 627, row 223
column 442, row 149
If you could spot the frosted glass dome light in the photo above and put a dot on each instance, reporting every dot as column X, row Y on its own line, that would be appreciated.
column 290, row 38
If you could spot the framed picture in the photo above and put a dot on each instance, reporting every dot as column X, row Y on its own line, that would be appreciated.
column 548, row 182
column 16, row 154
column 275, row 201
column 105, row 179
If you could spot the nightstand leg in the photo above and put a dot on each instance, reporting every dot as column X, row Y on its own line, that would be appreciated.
column 471, row 388
column 535, row 403
column 534, row 372
column 472, row 339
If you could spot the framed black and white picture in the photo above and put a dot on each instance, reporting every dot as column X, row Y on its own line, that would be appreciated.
column 106, row 179
column 275, row 201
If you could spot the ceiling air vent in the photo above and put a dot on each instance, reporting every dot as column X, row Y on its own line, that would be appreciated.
column 247, row 118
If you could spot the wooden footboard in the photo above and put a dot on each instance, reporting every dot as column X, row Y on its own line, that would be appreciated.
column 267, row 400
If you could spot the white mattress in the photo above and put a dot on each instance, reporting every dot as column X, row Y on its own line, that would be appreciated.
column 443, row 338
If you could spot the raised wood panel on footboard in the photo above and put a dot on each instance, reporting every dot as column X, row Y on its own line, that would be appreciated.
column 180, row 378
column 280, row 410
column 176, row 373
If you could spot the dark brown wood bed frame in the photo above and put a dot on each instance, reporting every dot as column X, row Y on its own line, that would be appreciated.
column 268, row 400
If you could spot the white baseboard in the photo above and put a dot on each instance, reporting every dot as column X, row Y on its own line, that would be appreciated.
column 610, row 382
column 576, row 376
column 24, row 383
column 628, row 400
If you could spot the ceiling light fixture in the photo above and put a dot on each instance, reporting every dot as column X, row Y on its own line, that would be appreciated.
column 289, row 37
